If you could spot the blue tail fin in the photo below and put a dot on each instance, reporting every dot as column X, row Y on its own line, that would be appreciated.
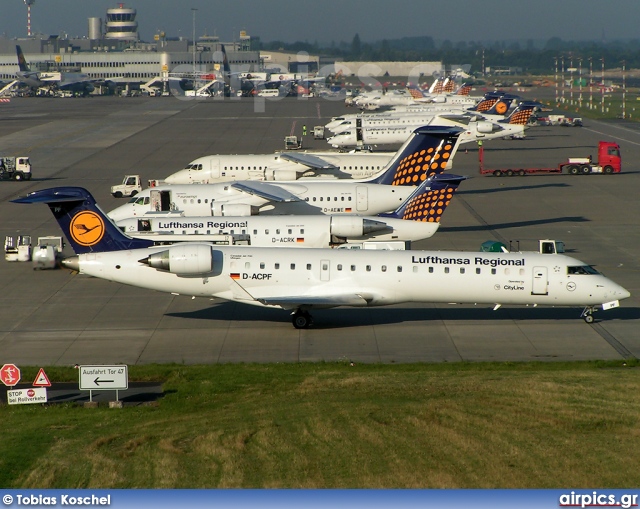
column 429, row 200
column 522, row 113
column 225, row 62
column 425, row 153
column 86, row 227
column 503, row 105
column 22, row 63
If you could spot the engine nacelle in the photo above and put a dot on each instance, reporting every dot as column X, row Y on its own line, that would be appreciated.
column 485, row 127
column 439, row 99
column 183, row 260
column 281, row 175
column 350, row 226
column 233, row 209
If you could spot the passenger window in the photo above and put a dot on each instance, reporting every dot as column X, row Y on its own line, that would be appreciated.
column 494, row 271
column 277, row 231
column 430, row 270
column 383, row 268
column 353, row 268
column 446, row 270
column 309, row 266
column 478, row 270
column 462, row 270
column 399, row 268
column 277, row 266
column 339, row 267
column 368, row 268
column 262, row 265
column 293, row 266
column 289, row 231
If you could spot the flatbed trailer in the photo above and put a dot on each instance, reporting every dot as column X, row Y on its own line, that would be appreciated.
column 609, row 161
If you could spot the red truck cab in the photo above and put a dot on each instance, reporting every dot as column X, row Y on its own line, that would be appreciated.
column 609, row 157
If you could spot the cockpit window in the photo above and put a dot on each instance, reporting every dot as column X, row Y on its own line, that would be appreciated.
column 133, row 200
column 582, row 269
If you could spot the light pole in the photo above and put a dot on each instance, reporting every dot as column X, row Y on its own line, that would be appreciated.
column 555, row 60
column 562, row 77
column 602, row 84
column 193, row 10
column 624, row 92
column 590, row 83
column 580, row 85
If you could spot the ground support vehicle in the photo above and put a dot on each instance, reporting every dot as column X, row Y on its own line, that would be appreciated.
column 15, row 168
column 292, row 143
column 609, row 161
column 130, row 187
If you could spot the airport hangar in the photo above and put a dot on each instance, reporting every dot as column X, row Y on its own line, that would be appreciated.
column 59, row 318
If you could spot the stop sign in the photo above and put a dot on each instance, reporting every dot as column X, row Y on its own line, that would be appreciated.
column 9, row 375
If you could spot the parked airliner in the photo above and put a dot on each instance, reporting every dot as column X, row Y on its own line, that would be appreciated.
column 281, row 166
column 303, row 279
column 416, row 219
column 427, row 151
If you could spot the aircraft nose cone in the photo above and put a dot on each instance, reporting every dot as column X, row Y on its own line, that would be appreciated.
column 73, row 263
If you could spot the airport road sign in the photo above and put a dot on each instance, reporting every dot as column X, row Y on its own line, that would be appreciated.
column 27, row 396
column 104, row 378
column 42, row 380
column 9, row 375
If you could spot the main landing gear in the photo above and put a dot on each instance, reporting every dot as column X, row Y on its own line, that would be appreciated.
column 301, row 319
column 587, row 314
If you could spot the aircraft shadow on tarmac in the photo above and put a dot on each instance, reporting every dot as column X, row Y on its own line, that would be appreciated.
column 341, row 318
column 515, row 224
column 503, row 189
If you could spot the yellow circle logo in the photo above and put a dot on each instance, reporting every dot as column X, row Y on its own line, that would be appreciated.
column 501, row 108
column 86, row 228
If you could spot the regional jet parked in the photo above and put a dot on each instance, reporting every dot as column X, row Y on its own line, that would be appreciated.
column 300, row 280
column 425, row 153
column 416, row 219
column 280, row 166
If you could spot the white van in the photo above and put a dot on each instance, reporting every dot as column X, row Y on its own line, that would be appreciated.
column 269, row 92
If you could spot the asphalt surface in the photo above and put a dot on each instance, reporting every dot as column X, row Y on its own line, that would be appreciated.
column 55, row 317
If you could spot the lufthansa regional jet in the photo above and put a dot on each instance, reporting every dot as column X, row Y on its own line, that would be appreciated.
column 425, row 153
column 299, row 280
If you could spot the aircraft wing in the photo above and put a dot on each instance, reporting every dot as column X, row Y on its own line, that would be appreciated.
column 266, row 191
column 325, row 301
column 309, row 160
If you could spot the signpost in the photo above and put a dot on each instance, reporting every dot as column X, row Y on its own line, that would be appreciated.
column 104, row 378
column 9, row 375
column 27, row 396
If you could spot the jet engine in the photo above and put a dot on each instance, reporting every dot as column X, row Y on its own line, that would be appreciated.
column 348, row 227
column 183, row 260
column 233, row 209
column 484, row 127
column 280, row 175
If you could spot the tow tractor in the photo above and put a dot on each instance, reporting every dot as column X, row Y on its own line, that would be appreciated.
column 292, row 143
column 609, row 161
column 15, row 168
column 130, row 187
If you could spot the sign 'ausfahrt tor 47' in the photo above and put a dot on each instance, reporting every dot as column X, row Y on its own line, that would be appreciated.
column 105, row 378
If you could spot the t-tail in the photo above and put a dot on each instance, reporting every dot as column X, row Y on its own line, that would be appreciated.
column 523, row 112
column 425, row 153
column 84, row 224
column 22, row 63
column 504, row 104
column 429, row 200
column 225, row 62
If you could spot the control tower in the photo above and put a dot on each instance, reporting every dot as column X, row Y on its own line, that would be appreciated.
column 121, row 24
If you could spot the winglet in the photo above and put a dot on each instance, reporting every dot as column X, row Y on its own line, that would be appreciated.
column 429, row 200
column 425, row 153
column 84, row 224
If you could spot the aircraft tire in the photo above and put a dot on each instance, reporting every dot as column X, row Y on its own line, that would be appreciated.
column 588, row 318
column 301, row 320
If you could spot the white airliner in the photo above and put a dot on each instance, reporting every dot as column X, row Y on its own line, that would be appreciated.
column 280, row 166
column 425, row 153
column 303, row 279
column 393, row 133
column 416, row 219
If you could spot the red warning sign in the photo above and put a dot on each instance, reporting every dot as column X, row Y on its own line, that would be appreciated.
column 9, row 375
column 42, row 380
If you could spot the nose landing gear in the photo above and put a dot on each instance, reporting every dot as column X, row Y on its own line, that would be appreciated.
column 301, row 319
column 587, row 314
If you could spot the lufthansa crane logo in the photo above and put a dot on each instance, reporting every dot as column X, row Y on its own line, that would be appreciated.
column 86, row 228
column 501, row 108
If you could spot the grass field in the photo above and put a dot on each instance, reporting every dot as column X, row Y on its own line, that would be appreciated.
column 546, row 425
